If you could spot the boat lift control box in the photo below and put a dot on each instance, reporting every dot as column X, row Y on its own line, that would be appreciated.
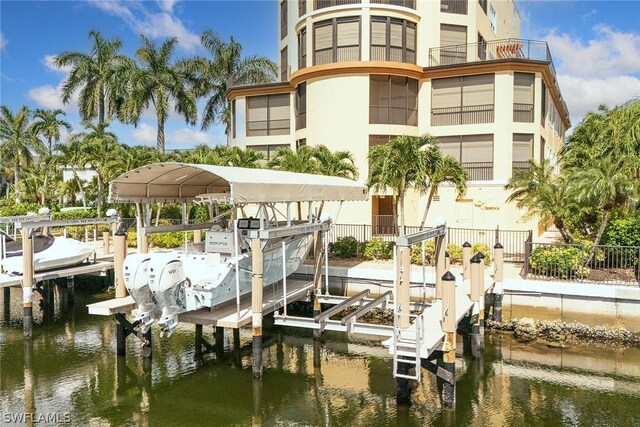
column 219, row 241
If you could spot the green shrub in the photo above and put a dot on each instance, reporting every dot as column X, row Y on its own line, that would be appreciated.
column 623, row 231
column 429, row 253
column 18, row 209
column 377, row 248
column 345, row 248
column 132, row 238
column 455, row 253
column 168, row 240
column 562, row 262
column 484, row 250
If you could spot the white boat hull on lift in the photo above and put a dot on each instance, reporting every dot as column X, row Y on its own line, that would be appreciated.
column 63, row 252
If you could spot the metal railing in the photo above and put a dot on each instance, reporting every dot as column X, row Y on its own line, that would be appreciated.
column 523, row 166
column 532, row 50
column 411, row 4
column 462, row 115
column 321, row 4
column 385, row 114
column 479, row 171
column 342, row 54
column 454, row 6
column 523, row 113
column 268, row 127
column 619, row 265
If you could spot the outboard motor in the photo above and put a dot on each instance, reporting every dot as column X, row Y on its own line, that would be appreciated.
column 136, row 280
column 166, row 281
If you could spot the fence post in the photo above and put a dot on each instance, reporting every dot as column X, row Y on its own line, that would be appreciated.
column 497, row 234
column 527, row 254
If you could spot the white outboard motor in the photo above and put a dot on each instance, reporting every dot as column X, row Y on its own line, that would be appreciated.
column 136, row 280
column 166, row 281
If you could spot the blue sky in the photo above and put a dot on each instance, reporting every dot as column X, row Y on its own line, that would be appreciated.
column 595, row 45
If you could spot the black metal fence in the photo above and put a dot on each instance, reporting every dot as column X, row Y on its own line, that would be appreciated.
column 512, row 240
column 570, row 262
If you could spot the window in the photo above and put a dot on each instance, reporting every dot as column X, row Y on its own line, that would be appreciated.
column 283, row 19
column 393, row 100
column 301, row 106
column 321, row 4
column 453, row 40
column 233, row 118
column 301, row 143
column 493, row 19
column 284, row 65
column 302, row 48
column 336, row 40
column 543, row 144
column 268, row 115
column 268, row 151
column 543, row 104
column 523, row 97
column 462, row 100
column 475, row 152
column 393, row 40
column 302, row 7
column 482, row 48
column 380, row 139
column 454, row 6
column 522, row 152
column 483, row 5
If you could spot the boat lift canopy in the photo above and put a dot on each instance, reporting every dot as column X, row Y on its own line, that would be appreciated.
column 182, row 183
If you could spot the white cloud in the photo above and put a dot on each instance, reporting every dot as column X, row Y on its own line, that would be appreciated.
column 605, row 69
column 154, row 25
column 3, row 41
column 47, row 96
column 144, row 134
column 48, row 62
column 190, row 137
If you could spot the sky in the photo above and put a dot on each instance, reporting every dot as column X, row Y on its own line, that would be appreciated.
column 595, row 47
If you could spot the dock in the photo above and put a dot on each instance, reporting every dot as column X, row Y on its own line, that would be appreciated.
column 100, row 267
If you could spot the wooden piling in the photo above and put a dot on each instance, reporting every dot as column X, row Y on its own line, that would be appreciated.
column 481, row 302
column 403, row 282
column 257, row 264
column 498, row 277
column 121, row 336
column 449, row 326
column 440, row 263
column 466, row 260
column 219, row 344
column 27, row 282
column 474, row 295
column 447, row 261
column 197, row 236
column 317, row 276
column 106, row 244
column 119, row 254
column 198, row 343
column 7, row 304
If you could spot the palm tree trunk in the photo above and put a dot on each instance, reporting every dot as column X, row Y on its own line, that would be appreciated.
column 432, row 193
column 320, row 210
column 603, row 225
column 160, row 137
column 158, row 213
column 101, row 106
column 49, row 146
column 395, row 214
column 77, row 178
column 401, row 230
column 99, row 201
column 300, row 211
column 16, row 178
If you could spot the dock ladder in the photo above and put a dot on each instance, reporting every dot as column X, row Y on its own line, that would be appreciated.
column 406, row 346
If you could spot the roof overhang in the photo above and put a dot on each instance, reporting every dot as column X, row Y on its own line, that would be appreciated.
column 180, row 182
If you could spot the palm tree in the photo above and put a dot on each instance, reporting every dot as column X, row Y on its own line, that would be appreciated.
column 72, row 156
column 607, row 184
column 102, row 75
column 47, row 124
column 337, row 163
column 398, row 165
column 159, row 82
column 17, row 141
column 227, row 68
column 300, row 160
column 448, row 170
column 235, row 156
column 131, row 157
column 541, row 193
column 203, row 155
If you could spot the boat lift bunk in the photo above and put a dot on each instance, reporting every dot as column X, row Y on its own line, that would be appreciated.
column 269, row 193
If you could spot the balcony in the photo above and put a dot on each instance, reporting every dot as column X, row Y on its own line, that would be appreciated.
column 268, row 127
column 454, row 6
column 464, row 115
column 531, row 50
column 518, row 167
column 479, row 171
column 321, row 4
column 523, row 113
column 411, row 4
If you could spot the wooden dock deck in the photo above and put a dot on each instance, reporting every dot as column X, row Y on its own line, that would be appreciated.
column 100, row 267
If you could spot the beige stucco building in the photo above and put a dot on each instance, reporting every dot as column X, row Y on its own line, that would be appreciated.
column 356, row 73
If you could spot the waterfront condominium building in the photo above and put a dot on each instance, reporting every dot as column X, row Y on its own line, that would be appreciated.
column 356, row 73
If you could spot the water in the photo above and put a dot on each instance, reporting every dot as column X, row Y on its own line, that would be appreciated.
column 70, row 371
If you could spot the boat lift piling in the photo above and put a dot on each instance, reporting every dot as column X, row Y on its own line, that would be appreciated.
column 27, row 282
column 475, row 291
column 449, row 326
column 498, row 277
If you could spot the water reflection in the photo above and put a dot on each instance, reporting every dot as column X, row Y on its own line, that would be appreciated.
column 204, row 378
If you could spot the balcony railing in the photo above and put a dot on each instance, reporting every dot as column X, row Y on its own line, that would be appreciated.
column 532, row 50
column 285, row 72
column 411, row 4
column 454, row 6
column 519, row 166
column 479, row 171
column 384, row 224
column 464, row 115
column 321, row 4
column 523, row 113
column 384, row 114
column 268, row 127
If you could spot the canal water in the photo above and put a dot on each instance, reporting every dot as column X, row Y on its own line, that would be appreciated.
column 69, row 373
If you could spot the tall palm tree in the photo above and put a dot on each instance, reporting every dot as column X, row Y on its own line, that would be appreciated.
column 300, row 160
column 336, row 163
column 448, row 170
column 235, row 156
column 542, row 193
column 607, row 184
column 72, row 156
column 101, row 74
column 17, row 142
column 227, row 67
column 159, row 82
column 131, row 157
column 203, row 155
column 399, row 165
column 47, row 124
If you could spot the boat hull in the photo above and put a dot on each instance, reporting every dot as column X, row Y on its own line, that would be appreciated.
column 62, row 253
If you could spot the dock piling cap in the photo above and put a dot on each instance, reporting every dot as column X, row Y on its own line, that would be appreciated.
column 498, row 246
column 466, row 245
column 449, row 277
column 480, row 255
column 475, row 259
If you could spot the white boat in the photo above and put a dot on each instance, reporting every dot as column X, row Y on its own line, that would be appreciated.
column 49, row 253
column 165, row 284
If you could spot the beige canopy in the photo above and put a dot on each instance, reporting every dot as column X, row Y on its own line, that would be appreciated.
column 179, row 182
